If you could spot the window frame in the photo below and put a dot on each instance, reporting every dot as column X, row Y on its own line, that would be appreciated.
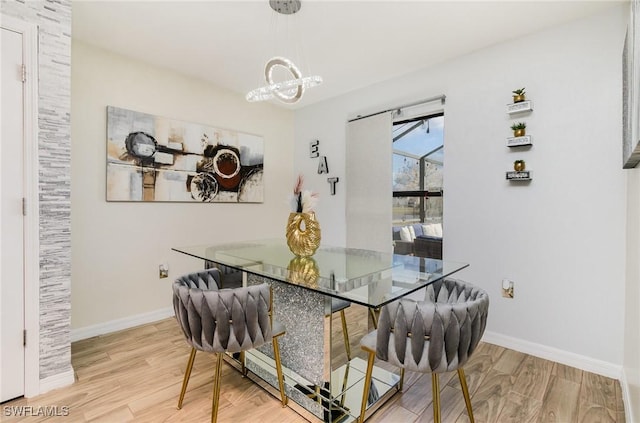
column 422, row 194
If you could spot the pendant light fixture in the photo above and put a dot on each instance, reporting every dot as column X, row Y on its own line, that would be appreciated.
column 289, row 90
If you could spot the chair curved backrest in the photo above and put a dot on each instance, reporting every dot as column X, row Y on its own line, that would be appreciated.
column 436, row 335
column 225, row 320
column 204, row 279
column 229, row 277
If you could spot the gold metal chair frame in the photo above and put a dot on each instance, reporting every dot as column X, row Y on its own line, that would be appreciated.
column 345, row 334
column 435, row 384
column 219, row 359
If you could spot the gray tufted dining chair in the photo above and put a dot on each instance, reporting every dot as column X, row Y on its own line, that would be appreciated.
column 436, row 335
column 224, row 320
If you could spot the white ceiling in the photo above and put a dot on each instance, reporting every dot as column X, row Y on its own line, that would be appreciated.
column 351, row 44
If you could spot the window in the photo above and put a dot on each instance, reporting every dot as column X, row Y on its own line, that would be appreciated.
column 418, row 159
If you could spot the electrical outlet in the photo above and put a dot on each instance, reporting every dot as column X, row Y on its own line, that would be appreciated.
column 163, row 271
column 507, row 288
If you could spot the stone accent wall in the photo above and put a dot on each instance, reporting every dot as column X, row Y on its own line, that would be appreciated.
column 53, row 18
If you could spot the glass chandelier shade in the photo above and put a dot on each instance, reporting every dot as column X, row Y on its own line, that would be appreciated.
column 288, row 91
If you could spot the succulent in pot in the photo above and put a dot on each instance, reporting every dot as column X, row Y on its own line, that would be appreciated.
column 518, row 95
column 519, row 165
column 519, row 129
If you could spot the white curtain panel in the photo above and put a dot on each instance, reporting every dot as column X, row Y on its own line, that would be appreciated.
column 368, row 183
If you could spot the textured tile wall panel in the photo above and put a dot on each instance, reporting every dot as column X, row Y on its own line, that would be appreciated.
column 53, row 18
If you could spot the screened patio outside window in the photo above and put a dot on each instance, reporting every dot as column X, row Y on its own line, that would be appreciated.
column 418, row 159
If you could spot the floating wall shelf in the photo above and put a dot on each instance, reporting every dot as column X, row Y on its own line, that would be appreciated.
column 514, row 175
column 523, row 106
column 519, row 141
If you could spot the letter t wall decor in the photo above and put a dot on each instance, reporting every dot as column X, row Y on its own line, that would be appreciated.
column 151, row 158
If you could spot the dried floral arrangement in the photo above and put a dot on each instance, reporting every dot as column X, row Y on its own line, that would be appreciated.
column 303, row 201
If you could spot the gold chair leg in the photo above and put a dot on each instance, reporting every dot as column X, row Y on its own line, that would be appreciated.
column 345, row 334
column 367, row 384
column 372, row 312
column 465, row 392
column 435, row 387
column 276, row 354
column 216, row 390
column 187, row 375
column 401, row 383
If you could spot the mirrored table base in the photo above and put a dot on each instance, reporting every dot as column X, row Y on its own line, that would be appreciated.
column 326, row 387
column 335, row 401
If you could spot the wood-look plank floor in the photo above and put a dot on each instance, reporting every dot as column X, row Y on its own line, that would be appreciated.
column 135, row 376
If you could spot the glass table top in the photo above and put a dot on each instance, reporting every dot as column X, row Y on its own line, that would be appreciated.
column 362, row 276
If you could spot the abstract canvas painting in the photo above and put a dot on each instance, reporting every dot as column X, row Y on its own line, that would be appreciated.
column 151, row 158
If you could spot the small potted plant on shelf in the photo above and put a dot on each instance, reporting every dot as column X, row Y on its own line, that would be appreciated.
column 519, row 129
column 518, row 95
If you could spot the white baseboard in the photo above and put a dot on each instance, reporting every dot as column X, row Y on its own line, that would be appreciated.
column 629, row 404
column 553, row 354
column 56, row 381
column 120, row 324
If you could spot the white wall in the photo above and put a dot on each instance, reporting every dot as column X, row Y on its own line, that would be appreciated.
column 117, row 247
column 561, row 238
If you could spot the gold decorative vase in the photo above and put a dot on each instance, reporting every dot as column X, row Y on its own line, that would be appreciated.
column 518, row 98
column 303, row 234
column 304, row 271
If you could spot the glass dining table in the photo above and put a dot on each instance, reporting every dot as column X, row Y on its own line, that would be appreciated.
column 327, row 302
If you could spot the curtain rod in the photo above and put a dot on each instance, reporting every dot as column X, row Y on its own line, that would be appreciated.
column 441, row 97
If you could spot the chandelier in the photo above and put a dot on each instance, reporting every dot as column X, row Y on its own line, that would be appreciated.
column 289, row 90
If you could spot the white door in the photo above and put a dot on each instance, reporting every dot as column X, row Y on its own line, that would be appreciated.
column 12, row 364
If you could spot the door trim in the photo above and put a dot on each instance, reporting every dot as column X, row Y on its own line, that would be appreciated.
column 29, row 33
